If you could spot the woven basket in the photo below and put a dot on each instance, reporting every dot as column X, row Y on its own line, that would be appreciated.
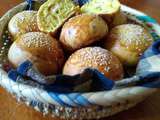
column 92, row 105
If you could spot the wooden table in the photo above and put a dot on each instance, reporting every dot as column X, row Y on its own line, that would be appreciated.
column 148, row 110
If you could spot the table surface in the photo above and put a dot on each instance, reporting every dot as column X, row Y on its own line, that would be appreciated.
column 10, row 109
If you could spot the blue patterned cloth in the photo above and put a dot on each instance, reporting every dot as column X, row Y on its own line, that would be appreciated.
column 30, row 4
column 80, row 2
column 147, row 73
column 33, row 5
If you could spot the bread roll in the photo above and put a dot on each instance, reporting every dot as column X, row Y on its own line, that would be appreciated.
column 97, row 58
column 118, row 19
column 22, row 23
column 128, row 42
column 41, row 49
column 53, row 13
column 82, row 30
column 105, row 8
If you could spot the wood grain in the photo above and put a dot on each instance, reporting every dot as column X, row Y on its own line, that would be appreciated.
column 150, row 7
column 10, row 109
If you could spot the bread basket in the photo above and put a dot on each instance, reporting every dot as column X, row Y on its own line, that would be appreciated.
column 89, row 105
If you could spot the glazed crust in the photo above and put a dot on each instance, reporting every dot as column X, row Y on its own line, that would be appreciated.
column 97, row 58
column 22, row 23
column 41, row 49
column 82, row 30
column 128, row 42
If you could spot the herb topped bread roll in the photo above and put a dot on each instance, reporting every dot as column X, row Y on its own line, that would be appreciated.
column 106, row 8
column 53, row 13
column 128, row 42
column 97, row 58
column 82, row 30
column 41, row 49
column 22, row 23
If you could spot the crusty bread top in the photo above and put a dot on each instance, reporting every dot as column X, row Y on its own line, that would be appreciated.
column 133, row 37
column 97, row 58
column 82, row 30
column 23, row 22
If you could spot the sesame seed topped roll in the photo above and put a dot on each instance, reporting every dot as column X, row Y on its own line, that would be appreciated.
column 23, row 22
column 39, row 48
column 128, row 42
column 97, row 58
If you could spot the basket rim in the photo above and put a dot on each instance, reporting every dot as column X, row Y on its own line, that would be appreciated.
column 83, row 99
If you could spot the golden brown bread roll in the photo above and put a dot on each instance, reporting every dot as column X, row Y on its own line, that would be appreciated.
column 97, row 58
column 22, row 23
column 128, row 42
column 41, row 49
column 82, row 30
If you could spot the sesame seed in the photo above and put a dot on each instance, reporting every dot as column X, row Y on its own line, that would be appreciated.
column 132, row 36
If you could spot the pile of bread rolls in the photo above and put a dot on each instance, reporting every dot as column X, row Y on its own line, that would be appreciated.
column 62, row 37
